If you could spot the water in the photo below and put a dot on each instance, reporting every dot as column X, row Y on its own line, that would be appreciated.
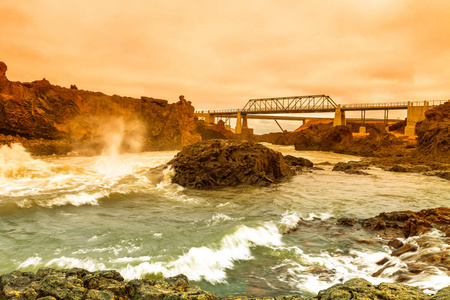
column 110, row 212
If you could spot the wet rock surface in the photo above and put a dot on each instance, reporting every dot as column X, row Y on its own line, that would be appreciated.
column 220, row 163
column 352, row 167
column 80, row 284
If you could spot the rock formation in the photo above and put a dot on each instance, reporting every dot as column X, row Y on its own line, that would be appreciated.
column 39, row 110
column 219, row 163
column 80, row 284
column 434, row 135
column 214, row 131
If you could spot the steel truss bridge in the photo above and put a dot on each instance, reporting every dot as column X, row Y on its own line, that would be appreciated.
column 260, row 108
column 310, row 104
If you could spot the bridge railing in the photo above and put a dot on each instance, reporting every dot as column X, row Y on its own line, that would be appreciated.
column 392, row 105
column 216, row 112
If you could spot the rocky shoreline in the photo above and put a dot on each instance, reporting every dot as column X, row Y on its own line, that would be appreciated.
column 76, row 283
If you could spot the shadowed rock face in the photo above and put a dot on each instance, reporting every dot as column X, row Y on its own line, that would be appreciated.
column 39, row 110
column 219, row 163
column 434, row 135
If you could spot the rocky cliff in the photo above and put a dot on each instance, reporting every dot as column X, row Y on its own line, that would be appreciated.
column 434, row 135
column 63, row 119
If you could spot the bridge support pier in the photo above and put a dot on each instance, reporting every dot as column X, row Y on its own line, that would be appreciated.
column 238, row 129
column 210, row 118
column 339, row 117
column 414, row 114
column 244, row 122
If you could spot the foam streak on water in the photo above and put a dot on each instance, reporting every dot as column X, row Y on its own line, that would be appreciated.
column 113, row 212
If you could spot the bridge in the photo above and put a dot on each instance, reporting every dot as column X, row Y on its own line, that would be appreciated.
column 317, row 104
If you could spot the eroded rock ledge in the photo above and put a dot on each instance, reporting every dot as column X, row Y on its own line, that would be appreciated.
column 80, row 284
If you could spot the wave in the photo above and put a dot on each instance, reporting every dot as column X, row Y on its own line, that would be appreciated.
column 210, row 263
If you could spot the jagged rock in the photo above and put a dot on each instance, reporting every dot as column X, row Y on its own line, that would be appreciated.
column 297, row 161
column 362, row 289
column 219, row 163
column 213, row 131
column 39, row 110
column 410, row 168
column 81, row 284
column 434, row 135
column 352, row 167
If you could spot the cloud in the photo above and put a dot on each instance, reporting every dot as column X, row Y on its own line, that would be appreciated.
column 219, row 54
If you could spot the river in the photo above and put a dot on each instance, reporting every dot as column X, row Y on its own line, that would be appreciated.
column 110, row 212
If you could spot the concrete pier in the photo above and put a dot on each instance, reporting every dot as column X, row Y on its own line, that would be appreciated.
column 415, row 114
column 238, row 129
column 339, row 117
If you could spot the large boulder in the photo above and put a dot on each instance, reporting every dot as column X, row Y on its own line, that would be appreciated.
column 219, row 163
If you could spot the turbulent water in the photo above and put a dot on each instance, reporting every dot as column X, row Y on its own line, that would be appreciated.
column 110, row 212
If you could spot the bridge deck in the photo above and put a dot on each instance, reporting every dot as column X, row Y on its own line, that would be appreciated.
column 311, row 104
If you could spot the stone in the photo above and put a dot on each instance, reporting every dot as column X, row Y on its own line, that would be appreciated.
column 362, row 289
column 352, row 167
column 220, row 163
column 297, row 161
column 442, row 294
column 404, row 249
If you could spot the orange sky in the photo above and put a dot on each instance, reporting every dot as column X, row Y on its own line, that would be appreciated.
column 221, row 53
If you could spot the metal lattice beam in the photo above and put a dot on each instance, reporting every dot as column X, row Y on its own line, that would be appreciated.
column 295, row 104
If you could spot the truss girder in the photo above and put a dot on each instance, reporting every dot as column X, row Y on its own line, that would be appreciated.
column 313, row 103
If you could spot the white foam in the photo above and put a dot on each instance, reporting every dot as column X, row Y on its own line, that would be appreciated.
column 211, row 262
column 288, row 221
column 31, row 261
column 74, row 199
column 71, row 262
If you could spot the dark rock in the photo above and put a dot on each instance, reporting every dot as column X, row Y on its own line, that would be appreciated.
column 444, row 175
column 410, row 168
column 219, row 163
column 346, row 222
column 297, row 161
column 362, row 289
column 404, row 249
column 382, row 261
column 352, row 167
column 395, row 243
column 72, row 284
column 213, row 131
column 52, row 118
column 434, row 135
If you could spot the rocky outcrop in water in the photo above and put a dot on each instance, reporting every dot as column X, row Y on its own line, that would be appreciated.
column 39, row 113
column 219, row 163
column 409, row 223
